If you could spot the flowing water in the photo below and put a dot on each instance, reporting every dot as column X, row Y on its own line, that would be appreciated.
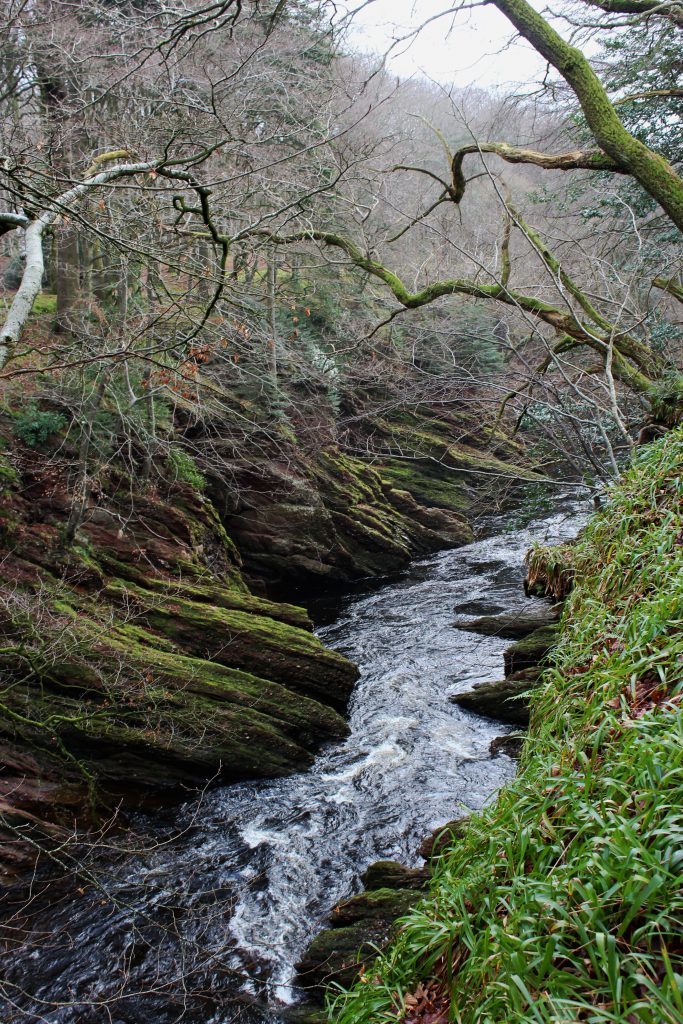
column 205, row 920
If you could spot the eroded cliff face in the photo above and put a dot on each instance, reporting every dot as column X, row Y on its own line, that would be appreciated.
column 136, row 662
column 401, row 486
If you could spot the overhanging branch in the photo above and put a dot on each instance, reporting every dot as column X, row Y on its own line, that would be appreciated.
column 672, row 11
column 651, row 170
column 563, row 322
column 576, row 159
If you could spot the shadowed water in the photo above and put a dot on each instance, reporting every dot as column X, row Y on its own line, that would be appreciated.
column 206, row 924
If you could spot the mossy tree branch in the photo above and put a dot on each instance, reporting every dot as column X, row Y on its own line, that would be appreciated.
column 576, row 159
column 672, row 11
column 650, row 94
column 565, row 323
column 670, row 286
column 650, row 169
column 624, row 343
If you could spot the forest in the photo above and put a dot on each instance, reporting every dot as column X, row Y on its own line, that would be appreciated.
column 341, row 512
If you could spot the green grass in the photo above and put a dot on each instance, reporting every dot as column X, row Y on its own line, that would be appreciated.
column 550, row 570
column 563, row 900
column 45, row 303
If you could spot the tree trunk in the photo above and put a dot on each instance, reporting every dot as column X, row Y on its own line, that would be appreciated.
column 272, row 321
column 67, row 273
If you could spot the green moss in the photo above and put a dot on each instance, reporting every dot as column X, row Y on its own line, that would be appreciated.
column 8, row 474
column 531, row 650
column 129, row 704
column 44, row 303
column 348, row 480
column 192, row 520
column 207, row 591
column 429, row 484
column 256, row 643
column 361, row 925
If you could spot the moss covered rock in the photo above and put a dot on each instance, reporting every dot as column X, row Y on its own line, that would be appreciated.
column 389, row 874
column 512, row 624
column 532, row 650
column 505, row 700
column 328, row 514
column 136, row 662
column 360, row 926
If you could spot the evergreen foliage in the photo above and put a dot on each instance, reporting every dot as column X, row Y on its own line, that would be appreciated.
column 35, row 426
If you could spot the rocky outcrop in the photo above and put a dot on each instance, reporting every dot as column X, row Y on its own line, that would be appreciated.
column 389, row 874
column 532, row 650
column 332, row 517
column 359, row 926
column 506, row 699
column 136, row 662
column 362, row 924
column 503, row 700
column 401, row 486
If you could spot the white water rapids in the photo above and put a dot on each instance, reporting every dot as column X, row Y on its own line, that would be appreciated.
column 206, row 924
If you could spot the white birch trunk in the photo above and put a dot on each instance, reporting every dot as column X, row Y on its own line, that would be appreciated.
column 32, row 278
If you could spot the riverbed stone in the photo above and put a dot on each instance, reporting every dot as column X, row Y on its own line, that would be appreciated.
column 511, row 744
column 503, row 700
column 304, row 1013
column 442, row 837
column 514, row 624
column 479, row 606
column 532, row 650
column 389, row 874
column 361, row 925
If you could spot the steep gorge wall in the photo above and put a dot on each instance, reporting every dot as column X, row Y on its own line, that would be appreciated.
column 400, row 486
column 136, row 662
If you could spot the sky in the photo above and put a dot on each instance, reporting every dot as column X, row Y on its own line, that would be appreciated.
column 467, row 51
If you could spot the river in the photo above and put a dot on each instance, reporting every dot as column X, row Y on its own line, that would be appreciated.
column 203, row 917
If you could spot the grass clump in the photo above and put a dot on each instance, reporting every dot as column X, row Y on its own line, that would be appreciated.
column 563, row 900
column 550, row 570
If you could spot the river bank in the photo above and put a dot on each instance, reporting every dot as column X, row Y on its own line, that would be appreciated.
column 561, row 901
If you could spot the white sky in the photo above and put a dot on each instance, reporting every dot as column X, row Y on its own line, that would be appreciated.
column 467, row 51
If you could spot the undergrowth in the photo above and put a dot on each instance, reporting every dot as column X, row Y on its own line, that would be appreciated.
column 550, row 570
column 563, row 900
